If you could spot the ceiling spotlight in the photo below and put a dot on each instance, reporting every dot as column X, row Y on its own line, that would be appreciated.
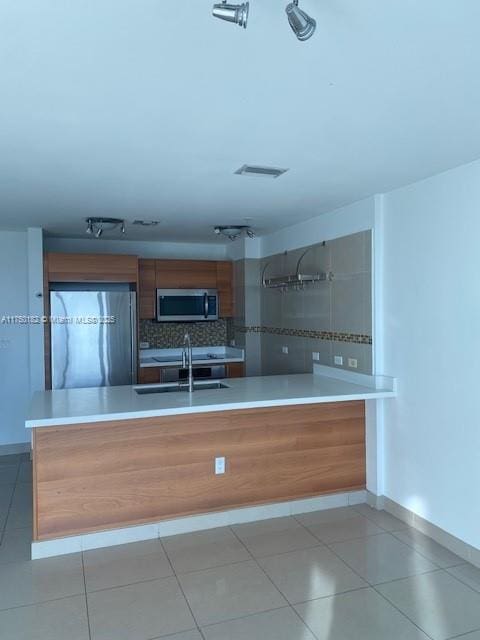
column 236, row 13
column 234, row 231
column 303, row 26
column 96, row 226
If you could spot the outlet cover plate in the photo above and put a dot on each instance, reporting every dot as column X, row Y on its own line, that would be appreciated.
column 219, row 466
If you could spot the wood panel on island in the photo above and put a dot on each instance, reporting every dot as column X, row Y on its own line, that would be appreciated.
column 106, row 475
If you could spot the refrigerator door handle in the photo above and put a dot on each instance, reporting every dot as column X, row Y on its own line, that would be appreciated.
column 133, row 320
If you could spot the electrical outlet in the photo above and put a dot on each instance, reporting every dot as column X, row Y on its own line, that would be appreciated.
column 144, row 345
column 352, row 362
column 284, row 349
column 219, row 466
column 338, row 360
column 315, row 355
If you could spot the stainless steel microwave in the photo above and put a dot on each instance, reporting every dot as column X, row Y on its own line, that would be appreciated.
column 187, row 305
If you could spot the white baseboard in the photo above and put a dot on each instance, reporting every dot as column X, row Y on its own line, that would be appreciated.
column 452, row 543
column 74, row 544
column 10, row 449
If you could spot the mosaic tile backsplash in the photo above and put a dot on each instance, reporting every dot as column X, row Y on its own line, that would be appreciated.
column 357, row 338
column 169, row 335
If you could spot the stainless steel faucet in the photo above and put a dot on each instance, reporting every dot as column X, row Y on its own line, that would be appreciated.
column 187, row 360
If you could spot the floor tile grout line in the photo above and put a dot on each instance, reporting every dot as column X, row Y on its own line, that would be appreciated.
column 215, row 566
column 130, row 584
column 463, row 635
column 402, row 612
column 4, row 528
column 86, row 598
column 34, row 604
column 461, row 581
column 261, row 568
column 248, row 615
column 408, row 528
column 180, row 585
column 372, row 586
column 304, row 622
column 393, row 533
column 291, row 605
column 469, row 564
column 379, row 511
column 367, row 535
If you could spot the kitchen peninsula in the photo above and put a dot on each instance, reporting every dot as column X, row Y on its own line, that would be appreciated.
column 126, row 464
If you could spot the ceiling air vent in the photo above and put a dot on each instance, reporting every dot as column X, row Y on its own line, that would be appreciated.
column 260, row 172
column 146, row 223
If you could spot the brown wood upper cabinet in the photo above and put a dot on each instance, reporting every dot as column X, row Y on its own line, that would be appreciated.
column 184, row 274
column 91, row 267
column 146, row 289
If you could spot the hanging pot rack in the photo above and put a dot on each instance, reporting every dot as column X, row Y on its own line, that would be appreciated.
column 297, row 280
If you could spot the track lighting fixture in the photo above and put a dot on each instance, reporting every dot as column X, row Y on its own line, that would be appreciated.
column 96, row 226
column 303, row 26
column 236, row 13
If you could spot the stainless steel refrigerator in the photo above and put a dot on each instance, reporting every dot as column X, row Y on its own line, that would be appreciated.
column 93, row 337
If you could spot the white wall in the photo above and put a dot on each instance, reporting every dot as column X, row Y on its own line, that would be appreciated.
column 186, row 250
column 359, row 216
column 431, row 310
column 14, row 339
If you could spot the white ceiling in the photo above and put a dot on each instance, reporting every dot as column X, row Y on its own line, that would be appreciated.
column 145, row 108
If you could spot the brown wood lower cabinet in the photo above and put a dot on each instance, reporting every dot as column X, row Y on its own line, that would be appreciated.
column 112, row 474
column 149, row 375
column 235, row 370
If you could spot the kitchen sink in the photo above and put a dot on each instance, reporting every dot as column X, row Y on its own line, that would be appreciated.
column 175, row 387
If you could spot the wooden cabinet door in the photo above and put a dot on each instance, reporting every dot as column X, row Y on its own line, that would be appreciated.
column 146, row 289
column 149, row 375
column 186, row 274
column 235, row 370
column 91, row 267
column 225, row 288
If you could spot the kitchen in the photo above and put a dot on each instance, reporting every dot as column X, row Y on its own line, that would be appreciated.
column 238, row 275
column 186, row 309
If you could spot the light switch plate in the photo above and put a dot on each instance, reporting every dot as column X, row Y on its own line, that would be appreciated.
column 144, row 345
column 315, row 355
column 352, row 362
column 284, row 349
column 219, row 466
column 337, row 359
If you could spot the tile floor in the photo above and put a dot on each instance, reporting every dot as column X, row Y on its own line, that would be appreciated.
column 343, row 574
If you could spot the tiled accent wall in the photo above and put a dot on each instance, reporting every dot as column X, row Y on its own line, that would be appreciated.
column 170, row 334
column 331, row 318
column 308, row 333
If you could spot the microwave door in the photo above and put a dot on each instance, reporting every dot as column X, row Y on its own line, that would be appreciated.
column 186, row 305
column 181, row 307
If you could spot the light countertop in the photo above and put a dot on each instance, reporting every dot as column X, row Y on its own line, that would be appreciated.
column 74, row 406
column 201, row 356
